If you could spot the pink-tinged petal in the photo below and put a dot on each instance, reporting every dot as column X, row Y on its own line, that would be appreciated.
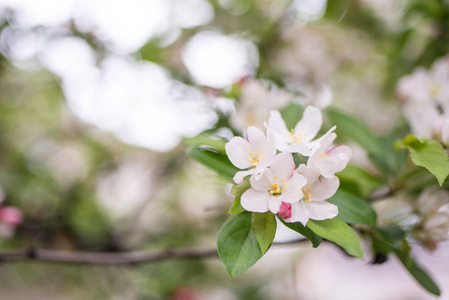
column 285, row 211
column 240, row 175
column 324, row 143
column 274, row 204
column 293, row 191
column 255, row 201
column 299, row 213
column 283, row 165
column 11, row 215
column 321, row 210
column 237, row 150
column 327, row 141
column 341, row 155
column 309, row 172
column 316, row 144
column 262, row 182
column 324, row 188
column 310, row 123
column 302, row 149
column 256, row 138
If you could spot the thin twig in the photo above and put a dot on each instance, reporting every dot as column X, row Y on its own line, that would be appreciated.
column 103, row 258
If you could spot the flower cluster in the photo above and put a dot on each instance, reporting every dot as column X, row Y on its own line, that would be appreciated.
column 295, row 193
column 433, row 222
column 425, row 218
column 425, row 94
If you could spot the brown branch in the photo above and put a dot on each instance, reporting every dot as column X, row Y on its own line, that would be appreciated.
column 103, row 258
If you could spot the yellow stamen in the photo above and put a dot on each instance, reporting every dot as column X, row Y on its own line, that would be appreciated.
column 254, row 158
column 277, row 189
column 307, row 194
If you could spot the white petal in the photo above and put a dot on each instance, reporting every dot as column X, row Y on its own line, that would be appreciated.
column 262, row 182
column 327, row 166
column 283, row 165
column 431, row 200
column 324, row 143
column 293, row 192
column 276, row 123
column 324, row 188
column 327, row 140
column 321, row 210
column 255, row 201
column 237, row 151
column 277, row 130
column 341, row 155
column 302, row 149
column 316, row 144
column 309, row 172
column 256, row 138
column 265, row 162
column 274, row 204
column 240, row 175
column 271, row 140
column 310, row 123
column 437, row 226
column 299, row 213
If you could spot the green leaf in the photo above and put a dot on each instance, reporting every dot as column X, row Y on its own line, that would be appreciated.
column 264, row 227
column 291, row 114
column 306, row 232
column 215, row 161
column 428, row 154
column 237, row 191
column 385, row 239
column 355, row 130
column 391, row 233
column 366, row 182
column 217, row 144
column 338, row 232
column 353, row 209
column 418, row 273
column 237, row 244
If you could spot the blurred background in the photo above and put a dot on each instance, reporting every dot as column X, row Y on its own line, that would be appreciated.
column 98, row 99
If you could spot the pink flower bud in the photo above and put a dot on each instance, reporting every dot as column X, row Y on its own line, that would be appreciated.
column 285, row 211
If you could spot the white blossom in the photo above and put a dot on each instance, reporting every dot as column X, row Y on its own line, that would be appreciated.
column 329, row 161
column 254, row 154
column 312, row 204
column 299, row 139
column 277, row 184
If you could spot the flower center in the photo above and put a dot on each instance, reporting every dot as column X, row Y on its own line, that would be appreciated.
column 307, row 191
column 255, row 157
column 276, row 188
column 323, row 155
column 434, row 91
column 297, row 138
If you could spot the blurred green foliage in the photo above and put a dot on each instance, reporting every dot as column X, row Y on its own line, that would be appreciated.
column 62, row 207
